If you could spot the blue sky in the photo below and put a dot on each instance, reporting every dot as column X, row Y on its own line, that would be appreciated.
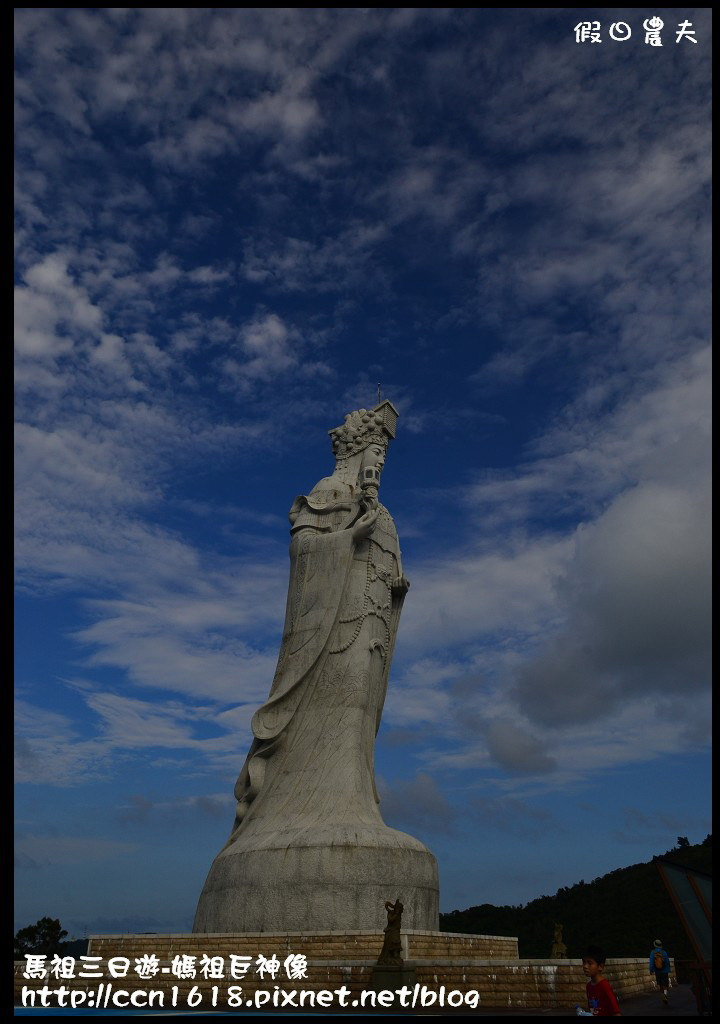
column 231, row 224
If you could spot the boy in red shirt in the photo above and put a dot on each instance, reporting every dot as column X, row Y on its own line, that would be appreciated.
column 600, row 996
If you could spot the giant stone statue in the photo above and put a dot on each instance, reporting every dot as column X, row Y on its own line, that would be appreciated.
column 309, row 849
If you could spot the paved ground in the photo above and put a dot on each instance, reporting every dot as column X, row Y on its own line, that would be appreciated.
column 681, row 1003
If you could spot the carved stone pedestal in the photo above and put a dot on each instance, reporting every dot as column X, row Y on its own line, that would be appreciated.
column 318, row 880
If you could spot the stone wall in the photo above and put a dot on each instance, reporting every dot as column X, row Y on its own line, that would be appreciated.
column 325, row 946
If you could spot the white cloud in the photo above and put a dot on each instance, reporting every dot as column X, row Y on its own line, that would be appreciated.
column 51, row 749
column 435, row 183
column 76, row 468
column 415, row 803
column 270, row 351
column 638, row 610
column 50, row 308
column 554, row 654
column 268, row 343
column 330, row 264
column 57, row 750
column 517, row 750
column 476, row 595
column 191, row 644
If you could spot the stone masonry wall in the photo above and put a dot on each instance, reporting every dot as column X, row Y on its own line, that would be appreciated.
column 325, row 946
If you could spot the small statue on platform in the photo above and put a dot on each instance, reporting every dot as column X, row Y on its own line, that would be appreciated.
column 559, row 949
column 391, row 953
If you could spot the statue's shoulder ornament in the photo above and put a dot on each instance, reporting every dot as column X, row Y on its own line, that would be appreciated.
column 326, row 508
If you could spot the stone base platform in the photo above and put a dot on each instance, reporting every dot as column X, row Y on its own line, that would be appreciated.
column 483, row 969
column 339, row 945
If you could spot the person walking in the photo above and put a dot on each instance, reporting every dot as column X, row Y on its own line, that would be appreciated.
column 660, row 967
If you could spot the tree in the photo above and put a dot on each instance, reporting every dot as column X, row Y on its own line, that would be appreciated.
column 683, row 842
column 44, row 937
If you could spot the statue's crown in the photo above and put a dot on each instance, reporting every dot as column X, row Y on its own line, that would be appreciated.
column 364, row 427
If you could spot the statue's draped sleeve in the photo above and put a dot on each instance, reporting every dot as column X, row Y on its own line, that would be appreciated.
column 319, row 564
column 321, row 550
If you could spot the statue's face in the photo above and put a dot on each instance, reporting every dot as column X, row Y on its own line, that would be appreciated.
column 373, row 456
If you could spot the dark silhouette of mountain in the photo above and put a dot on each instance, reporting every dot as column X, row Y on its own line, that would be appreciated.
column 623, row 912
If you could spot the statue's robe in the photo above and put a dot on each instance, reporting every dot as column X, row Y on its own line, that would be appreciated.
column 307, row 806
column 312, row 756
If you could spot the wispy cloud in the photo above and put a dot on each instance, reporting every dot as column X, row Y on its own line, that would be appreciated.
column 142, row 810
column 416, row 803
column 48, row 851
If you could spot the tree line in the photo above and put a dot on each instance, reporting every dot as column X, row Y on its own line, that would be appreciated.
column 623, row 912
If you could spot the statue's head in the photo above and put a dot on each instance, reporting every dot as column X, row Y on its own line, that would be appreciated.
column 360, row 444
column 363, row 428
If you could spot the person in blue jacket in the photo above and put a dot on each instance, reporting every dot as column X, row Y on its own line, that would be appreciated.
column 660, row 967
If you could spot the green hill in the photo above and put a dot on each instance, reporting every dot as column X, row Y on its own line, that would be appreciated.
column 623, row 911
